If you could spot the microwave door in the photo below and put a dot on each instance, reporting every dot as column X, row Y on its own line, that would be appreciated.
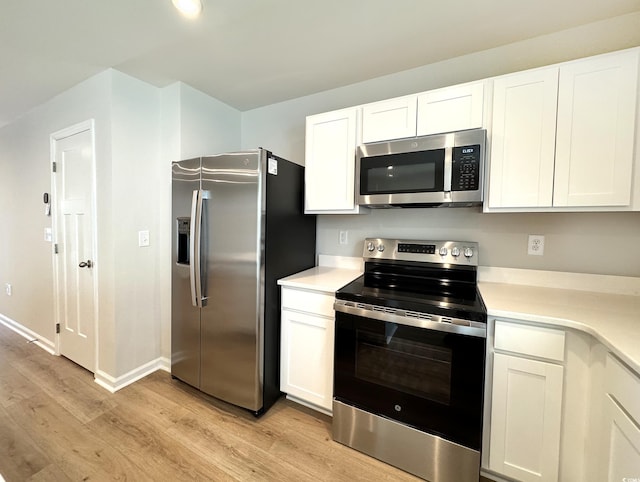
column 404, row 178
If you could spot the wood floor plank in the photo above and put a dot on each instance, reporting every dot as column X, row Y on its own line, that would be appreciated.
column 158, row 453
column 15, row 387
column 79, row 453
column 68, row 384
column 15, row 347
column 57, row 424
column 236, row 456
column 20, row 458
column 51, row 473
column 149, row 405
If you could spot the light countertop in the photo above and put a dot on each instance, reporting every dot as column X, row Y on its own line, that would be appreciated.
column 321, row 278
column 612, row 319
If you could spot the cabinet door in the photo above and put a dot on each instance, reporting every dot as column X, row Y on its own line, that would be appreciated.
column 523, row 139
column 306, row 369
column 330, row 162
column 622, row 447
column 525, row 418
column 596, row 126
column 451, row 109
column 389, row 119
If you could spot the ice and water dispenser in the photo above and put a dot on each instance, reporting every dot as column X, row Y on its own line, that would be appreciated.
column 184, row 230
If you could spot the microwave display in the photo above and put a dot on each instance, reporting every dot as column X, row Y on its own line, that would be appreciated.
column 403, row 173
column 465, row 169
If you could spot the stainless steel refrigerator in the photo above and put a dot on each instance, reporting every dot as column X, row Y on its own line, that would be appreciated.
column 238, row 226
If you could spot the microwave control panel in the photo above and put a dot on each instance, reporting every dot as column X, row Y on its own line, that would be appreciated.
column 465, row 168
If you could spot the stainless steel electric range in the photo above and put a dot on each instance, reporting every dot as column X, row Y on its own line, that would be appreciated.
column 409, row 358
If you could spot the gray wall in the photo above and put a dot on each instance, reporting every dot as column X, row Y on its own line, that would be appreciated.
column 599, row 243
column 139, row 130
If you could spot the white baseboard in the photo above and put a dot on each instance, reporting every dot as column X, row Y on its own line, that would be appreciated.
column 101, row 378
column 31, row 336
column 112, row 384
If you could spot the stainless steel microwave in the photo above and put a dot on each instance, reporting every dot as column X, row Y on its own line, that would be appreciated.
column 430, row 171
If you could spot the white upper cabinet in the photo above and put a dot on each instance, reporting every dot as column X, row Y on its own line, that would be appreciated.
column 442, row 110
column 563, row 137
column 596, row 128
column 523, row 139
column 330, row 148
column 389, row 119
column 451, row 109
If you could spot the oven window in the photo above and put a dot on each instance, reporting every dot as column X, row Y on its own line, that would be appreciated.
column 408, row 366
column 402, row 173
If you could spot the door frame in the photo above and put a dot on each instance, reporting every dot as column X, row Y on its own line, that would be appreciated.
column 88, row 125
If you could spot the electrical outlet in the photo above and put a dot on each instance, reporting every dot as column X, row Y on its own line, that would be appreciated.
column 143, row 238
column 8, row 289
column 344, row 237
column 536, row 245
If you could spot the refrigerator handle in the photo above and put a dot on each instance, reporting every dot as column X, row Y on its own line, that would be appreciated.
column 194, row 248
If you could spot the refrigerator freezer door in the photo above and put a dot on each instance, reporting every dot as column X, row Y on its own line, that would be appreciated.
column 231, row 367
column 185, row 317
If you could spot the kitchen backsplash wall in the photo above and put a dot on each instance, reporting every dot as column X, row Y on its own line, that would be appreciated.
column 600, row 243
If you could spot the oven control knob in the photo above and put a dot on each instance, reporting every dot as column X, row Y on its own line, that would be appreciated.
column 455, row 251
column 443, row 251
column 468, row 252
column 381, row 247
column 371, row 246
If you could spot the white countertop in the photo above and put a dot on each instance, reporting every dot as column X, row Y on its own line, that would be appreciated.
column 612, row 319
column 321, row 278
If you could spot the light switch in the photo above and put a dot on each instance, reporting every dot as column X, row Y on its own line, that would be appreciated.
column 47, row 234
column 143, row 238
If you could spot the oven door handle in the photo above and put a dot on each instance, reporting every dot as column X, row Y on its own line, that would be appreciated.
column 437, row 323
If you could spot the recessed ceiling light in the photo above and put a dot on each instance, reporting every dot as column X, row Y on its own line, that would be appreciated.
column 188, row 8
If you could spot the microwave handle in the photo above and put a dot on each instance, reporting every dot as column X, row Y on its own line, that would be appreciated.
column 448, row 168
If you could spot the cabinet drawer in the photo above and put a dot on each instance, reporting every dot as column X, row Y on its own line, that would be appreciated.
column 310, row 301
column 624, row 386
column 529, row 340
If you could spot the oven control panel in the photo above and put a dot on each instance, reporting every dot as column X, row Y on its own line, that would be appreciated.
column 451, row 252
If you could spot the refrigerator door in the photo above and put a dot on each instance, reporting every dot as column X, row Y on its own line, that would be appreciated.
column 185, row 316
column 231, row 367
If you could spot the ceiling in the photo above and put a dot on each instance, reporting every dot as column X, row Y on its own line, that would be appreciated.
column 251, row 53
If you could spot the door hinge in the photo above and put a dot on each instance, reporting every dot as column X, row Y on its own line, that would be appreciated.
column 55, row 248
column 53, row 166
column 57, row 327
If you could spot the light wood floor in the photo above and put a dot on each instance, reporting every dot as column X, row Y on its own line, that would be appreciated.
column 56, row 424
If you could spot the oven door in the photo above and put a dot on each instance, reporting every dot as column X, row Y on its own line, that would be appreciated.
column 428, row 379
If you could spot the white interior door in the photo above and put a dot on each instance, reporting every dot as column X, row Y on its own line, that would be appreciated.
column 74, row 227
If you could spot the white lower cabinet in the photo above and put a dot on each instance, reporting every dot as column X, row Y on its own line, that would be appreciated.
column 621, row 437
column 526, row 402
column 306, row 359
column 622, row 443
column 525, row 418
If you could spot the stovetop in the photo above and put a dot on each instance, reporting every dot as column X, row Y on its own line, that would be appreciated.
column 419, row 276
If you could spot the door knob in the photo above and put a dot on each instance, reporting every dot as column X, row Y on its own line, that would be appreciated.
column 87, row 264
